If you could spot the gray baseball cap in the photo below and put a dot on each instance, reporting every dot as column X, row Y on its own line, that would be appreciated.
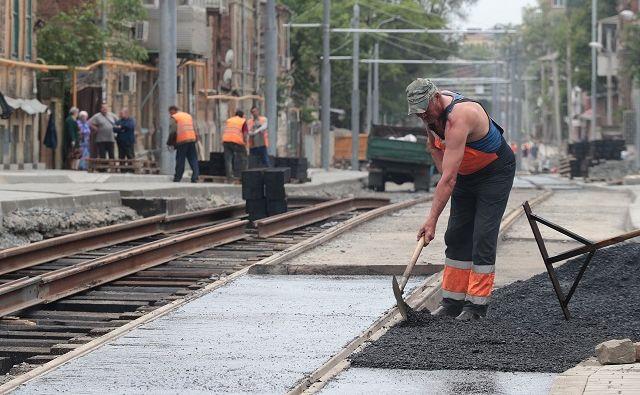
column 419, row 92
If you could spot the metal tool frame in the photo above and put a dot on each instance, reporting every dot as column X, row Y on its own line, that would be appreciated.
column 589, row 248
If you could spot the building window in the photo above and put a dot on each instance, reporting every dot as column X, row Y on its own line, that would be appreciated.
column 15, row 35
column 28, row 31
column 558, row 3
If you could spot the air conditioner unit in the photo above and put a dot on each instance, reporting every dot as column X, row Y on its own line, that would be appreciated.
column 127, row 83
column 141, row 31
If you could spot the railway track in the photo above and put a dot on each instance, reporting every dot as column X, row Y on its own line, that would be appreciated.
column 64, row 292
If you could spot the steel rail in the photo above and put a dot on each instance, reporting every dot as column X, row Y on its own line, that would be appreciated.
column 190, row 220
column 23, row 257
column 318, row 212
column 49, row 287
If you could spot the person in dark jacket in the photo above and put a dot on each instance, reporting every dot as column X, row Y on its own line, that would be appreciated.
column 70, row 138
column 125, row 135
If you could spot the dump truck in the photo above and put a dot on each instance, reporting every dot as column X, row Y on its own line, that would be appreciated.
column 394, row 157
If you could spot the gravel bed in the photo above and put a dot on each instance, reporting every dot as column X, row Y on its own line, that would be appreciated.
column 22, row 227
column 525, row 330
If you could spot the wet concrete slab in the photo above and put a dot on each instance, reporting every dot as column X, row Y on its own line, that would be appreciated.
column 458, row 382
column 257, row 334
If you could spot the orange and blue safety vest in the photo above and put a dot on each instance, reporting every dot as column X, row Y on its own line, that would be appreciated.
column 477, row 154
column 233, row 130
column 185, row 131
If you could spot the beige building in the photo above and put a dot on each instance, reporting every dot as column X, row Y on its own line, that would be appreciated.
column 20, row 133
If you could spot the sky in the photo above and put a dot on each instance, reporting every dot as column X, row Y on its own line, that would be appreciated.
column 487, row 13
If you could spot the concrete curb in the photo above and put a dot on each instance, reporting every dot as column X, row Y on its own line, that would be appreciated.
column 90, row 199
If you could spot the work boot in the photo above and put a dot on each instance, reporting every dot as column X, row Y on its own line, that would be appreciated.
column 443, row 312
column 467, row 315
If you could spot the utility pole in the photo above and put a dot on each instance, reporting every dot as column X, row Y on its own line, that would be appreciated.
column 271, row 67
column 376, row 85
column 167, row 77
column 103, row 69
column 355, row 92
column 516, row 105
column 494, row 93
column 570, row 115
column 609, row 78
column 594, row 65
column 369, row 113
column 556, row 102
column 325, row 116
column 636, row 102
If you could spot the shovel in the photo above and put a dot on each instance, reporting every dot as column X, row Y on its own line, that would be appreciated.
column 398, row 289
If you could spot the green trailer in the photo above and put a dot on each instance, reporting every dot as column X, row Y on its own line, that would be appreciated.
column 396, row 160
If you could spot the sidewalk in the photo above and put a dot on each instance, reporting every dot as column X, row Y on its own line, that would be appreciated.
column 71, row 189
column 592, row 378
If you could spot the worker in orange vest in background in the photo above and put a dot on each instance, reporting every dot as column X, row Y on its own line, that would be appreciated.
column 234, row 140
column 181, row 125
column 258, row 136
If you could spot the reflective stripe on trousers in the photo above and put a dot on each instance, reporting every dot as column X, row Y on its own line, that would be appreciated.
column 462, row 280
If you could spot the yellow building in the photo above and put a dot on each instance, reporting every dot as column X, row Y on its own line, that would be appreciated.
column 19, row 134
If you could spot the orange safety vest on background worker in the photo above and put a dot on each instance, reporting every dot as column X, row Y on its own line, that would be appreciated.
column 233, row 131
column 185, row 132
column 257, row 140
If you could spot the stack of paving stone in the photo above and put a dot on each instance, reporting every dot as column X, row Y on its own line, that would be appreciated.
column 297, row 166
column 214, row 166
column 264, row 192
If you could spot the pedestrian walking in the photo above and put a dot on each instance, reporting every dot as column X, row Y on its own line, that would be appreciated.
column 258, row 136
column 125, row 136
column 70, row 139
column 85, row 139
column 102, row 125
column 477, row 167
column 183, row 136
column 234, row 140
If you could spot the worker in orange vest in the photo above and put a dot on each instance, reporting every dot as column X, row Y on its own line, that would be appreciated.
column 181, row 126
column 258, row 136
column 234, row 140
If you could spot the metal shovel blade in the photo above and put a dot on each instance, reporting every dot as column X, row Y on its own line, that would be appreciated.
column 402, row 305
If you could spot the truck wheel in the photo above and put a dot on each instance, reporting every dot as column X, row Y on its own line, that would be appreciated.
column 421, row 182
column 376, row 180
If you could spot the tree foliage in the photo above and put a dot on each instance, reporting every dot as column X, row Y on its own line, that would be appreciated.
column 633, row 47
column 306, row 48
column 76, row 38
column 72, row 38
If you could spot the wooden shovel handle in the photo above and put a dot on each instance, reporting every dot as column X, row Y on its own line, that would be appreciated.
column 414, row 258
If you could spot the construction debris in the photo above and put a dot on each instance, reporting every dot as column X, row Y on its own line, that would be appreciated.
column 613, row 352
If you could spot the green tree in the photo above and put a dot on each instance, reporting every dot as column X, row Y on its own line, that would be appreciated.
column 72, row 38
column 632, row 43
column 306, row 48
column 76, row 38
column 122, row 15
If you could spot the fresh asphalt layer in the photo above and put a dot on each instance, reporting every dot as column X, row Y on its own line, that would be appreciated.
column 525, row 330
column 258, row 334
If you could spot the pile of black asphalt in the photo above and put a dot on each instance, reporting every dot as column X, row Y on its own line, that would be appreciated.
column 524, row 330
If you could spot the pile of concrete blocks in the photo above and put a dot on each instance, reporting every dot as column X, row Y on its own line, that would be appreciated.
column 611, row 170
column 615, row 352
column 264, row 191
